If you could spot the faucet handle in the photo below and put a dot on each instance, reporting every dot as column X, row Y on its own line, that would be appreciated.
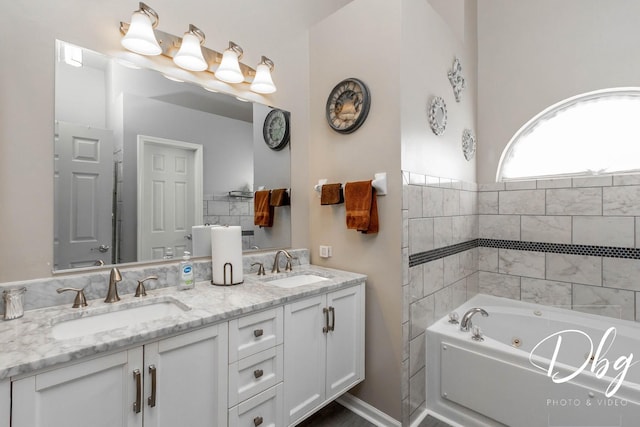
column 260, row 268
column 80, row 300
column 453, row 318
column 288, row 266
column 141, row 291
column 476, row 334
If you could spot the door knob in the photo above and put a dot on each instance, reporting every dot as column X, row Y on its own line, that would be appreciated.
column 102, row 248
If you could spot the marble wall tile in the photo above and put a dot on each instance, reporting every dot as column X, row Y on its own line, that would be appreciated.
column 465, row 228
column 443, row 302
column 506, row 227
column 637, row 232
column 473, row 283
column 405, row 266
column 415, row 201
column 217, row 207
column 406, row 303
column 529, row 202
column 621, row 200
column 520, row 185
column 488, row 259
column 433, row 276
column 574, row 201
column 405, row 228
column 546, row 292
column 405, row 378
column 416, row 282
column 451, row 202
column 488, row 202
column 500, row 285
column 581, row 269
column 627, row 179
column 453, row 270
column 604, row 301
column 442, row 231
column 459, row 293
column 637, row 306
column 433, row 181
column 468, row 262
column 420, row 235
column 416, row 178
column 417, row 392
column 491, row 186
column 521, row 263
column 554, row 183
column 621, row 273
column 405, row 341
column 604, row 231
column 405, row 192
column 593, row 181
column 432, row 201
column 416, row 354
column 548, row 229
column 421, row 316
column 468, row 202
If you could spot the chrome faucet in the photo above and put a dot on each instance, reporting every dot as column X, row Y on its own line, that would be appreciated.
column 114, row 278
column 276, row 265
column 465, row 323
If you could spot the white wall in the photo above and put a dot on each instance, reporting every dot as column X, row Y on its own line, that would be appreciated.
column 429, row 45
column 533, row 54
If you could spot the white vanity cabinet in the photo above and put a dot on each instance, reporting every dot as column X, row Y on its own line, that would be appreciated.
column 179, row 380
column 5, row 403
column 324, row 349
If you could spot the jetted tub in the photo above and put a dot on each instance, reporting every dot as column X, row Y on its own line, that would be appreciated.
column 503, row 380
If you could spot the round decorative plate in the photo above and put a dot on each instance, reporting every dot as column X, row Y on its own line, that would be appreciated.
column 348, row 105
column 276, row 129
column 438, row 115
column 468, row 144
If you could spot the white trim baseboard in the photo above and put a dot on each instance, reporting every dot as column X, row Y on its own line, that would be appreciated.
column 366, row 411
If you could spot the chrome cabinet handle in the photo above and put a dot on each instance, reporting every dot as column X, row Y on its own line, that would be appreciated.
column 152, row 399
column 258, row 373
column 258, row 333
column 325, row 328
column 138, row 379
column 333, row 319
column 257, row 421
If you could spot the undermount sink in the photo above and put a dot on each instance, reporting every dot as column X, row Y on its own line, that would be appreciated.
column 126, row 315
column 297, row 280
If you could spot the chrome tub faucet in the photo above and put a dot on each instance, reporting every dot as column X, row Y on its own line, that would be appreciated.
column 465, row 323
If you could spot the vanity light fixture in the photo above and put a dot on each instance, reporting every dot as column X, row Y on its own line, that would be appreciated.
column 190, row 56
column 140, row 37
column 229, row 69
column 262, row 82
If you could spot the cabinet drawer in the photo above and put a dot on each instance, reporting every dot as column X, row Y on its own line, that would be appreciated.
column 253, row 333
column 254, row 374
column 263, row 410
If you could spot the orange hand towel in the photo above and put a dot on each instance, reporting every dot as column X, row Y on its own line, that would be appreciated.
column 280, row 197
column 262, row 210
column 361, row 207
column 331, row 194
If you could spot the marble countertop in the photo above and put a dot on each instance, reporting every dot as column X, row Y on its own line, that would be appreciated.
column 28, row 343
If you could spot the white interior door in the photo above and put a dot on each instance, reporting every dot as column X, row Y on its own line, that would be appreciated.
column 169, row 195
column 83, row 176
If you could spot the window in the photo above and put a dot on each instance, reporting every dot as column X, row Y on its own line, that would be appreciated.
column 594, row 133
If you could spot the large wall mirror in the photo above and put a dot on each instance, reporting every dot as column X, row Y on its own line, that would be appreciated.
column 140, row 159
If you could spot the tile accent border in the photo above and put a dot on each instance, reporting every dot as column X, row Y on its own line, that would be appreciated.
column 556, row 248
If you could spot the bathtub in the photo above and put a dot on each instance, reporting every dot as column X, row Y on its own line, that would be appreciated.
column 504, row 380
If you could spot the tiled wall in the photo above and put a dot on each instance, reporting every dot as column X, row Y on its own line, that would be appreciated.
column 440, row 268
column 565, row 242
column 220, row 208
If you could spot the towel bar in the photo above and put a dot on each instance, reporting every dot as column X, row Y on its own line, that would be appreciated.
column 379, row 183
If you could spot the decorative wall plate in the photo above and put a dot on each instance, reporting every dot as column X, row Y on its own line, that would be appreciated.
column 456, row 79
column 468, row 144
column 348, row 105
column 275, row 130
column 438, row 115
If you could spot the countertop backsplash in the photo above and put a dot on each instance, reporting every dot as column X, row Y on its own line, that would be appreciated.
column 42, row 292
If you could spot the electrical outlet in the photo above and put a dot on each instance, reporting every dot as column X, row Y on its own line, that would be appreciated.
column 325, row 251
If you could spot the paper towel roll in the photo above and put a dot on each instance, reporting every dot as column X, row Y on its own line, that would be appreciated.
column 226, row 255
column 201, row 240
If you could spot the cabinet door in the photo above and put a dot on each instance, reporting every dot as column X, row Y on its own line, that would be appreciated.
column 5, row 403
column 304, row 357
column 190, row 379
column 345, row 342
column 99, row 392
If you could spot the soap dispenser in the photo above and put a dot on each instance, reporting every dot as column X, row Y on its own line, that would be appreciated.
column 186, row 272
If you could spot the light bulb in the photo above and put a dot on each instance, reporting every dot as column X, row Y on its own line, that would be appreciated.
column 229, row 69
column 190, row 56
column 263, row 83
column 140, row 37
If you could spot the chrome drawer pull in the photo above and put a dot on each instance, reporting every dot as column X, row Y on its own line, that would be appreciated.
column 258, row 333
column 152, row 399
column 257, row 421
column 258, row 373
column 137, row 378
column 325, row 328
column 333, row 319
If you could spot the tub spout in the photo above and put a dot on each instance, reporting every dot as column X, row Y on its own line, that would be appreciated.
column 465, row 323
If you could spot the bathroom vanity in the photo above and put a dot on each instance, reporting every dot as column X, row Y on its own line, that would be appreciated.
column 268, row 351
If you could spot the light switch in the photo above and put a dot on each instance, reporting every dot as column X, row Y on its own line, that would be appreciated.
column 325, row 251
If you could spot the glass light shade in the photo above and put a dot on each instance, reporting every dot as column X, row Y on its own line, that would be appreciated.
column 190, row 56
column 140, row 37
column 229, row 69
column 263, row 83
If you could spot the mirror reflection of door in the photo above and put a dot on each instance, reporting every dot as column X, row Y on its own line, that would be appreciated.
column 83, row 200
column 169, row 196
